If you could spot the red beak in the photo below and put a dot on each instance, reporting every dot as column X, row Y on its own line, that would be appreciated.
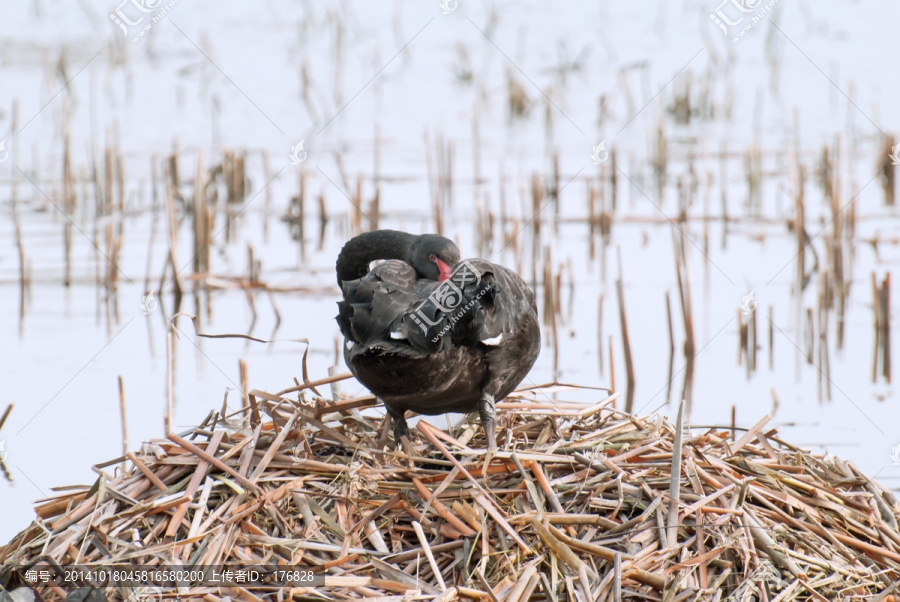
column 445, row 269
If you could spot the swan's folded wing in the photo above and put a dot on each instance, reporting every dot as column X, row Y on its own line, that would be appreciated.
column 390, row 309
column 372, row 303
column 497, row 298
column 425, row 325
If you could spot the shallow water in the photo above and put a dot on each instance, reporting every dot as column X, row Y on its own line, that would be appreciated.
column 210, row 78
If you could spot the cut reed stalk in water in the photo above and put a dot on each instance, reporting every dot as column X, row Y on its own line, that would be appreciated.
column 122, row 415
column 684, row 296
column 5, row 415
column 301, row 215
column 3, row 468
column 660, row 158
column 887, row 169
column 886, row 339
column 626, row 343
column 172, row 236
column 671, row 334
column 323, row 220
column 808, row 336
column 550, row 287
column 537, row 199
column 68, row 203
column 613, row 179
column 753, row 344
column 592, row 221
column 881, row 313
column 553, row 190
column 375, row 208
column 24, row 283
column 754, row 174
column 172, row 172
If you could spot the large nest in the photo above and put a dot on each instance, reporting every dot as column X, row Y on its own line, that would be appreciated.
column 579, row 503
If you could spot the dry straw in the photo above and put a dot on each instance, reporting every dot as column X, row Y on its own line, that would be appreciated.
column 580, row 503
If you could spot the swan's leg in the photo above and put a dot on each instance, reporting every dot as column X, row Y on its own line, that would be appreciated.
column 487, row 409
column 401, row 429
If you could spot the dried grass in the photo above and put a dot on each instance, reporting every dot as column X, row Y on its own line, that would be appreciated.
column 577, row 504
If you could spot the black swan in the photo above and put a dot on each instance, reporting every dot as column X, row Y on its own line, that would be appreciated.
column 426, row 332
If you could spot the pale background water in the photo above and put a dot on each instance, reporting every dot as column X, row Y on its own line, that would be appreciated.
column 213, row 76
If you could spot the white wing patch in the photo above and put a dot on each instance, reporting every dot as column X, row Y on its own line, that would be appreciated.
column 494, row 340
column 397, row 336
column 349, row 345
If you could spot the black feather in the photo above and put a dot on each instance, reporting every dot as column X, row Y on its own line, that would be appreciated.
column 418, row 344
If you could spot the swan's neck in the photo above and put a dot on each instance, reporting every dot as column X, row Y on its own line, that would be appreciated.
column 354, row 259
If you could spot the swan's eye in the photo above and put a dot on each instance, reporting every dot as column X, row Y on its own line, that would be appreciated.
column 432, row 257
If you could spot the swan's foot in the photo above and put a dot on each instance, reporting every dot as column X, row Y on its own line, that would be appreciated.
column 487, row 409
column 401, row 429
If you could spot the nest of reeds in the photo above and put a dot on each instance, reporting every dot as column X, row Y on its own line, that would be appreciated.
column 580, row 502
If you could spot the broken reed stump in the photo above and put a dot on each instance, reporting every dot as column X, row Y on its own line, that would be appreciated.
column 582, row 502
column 881, row 305
column 626, row 343
column 887, row 169
column 3, row 467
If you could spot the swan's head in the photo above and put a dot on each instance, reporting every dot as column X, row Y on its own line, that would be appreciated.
column 433, row 256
